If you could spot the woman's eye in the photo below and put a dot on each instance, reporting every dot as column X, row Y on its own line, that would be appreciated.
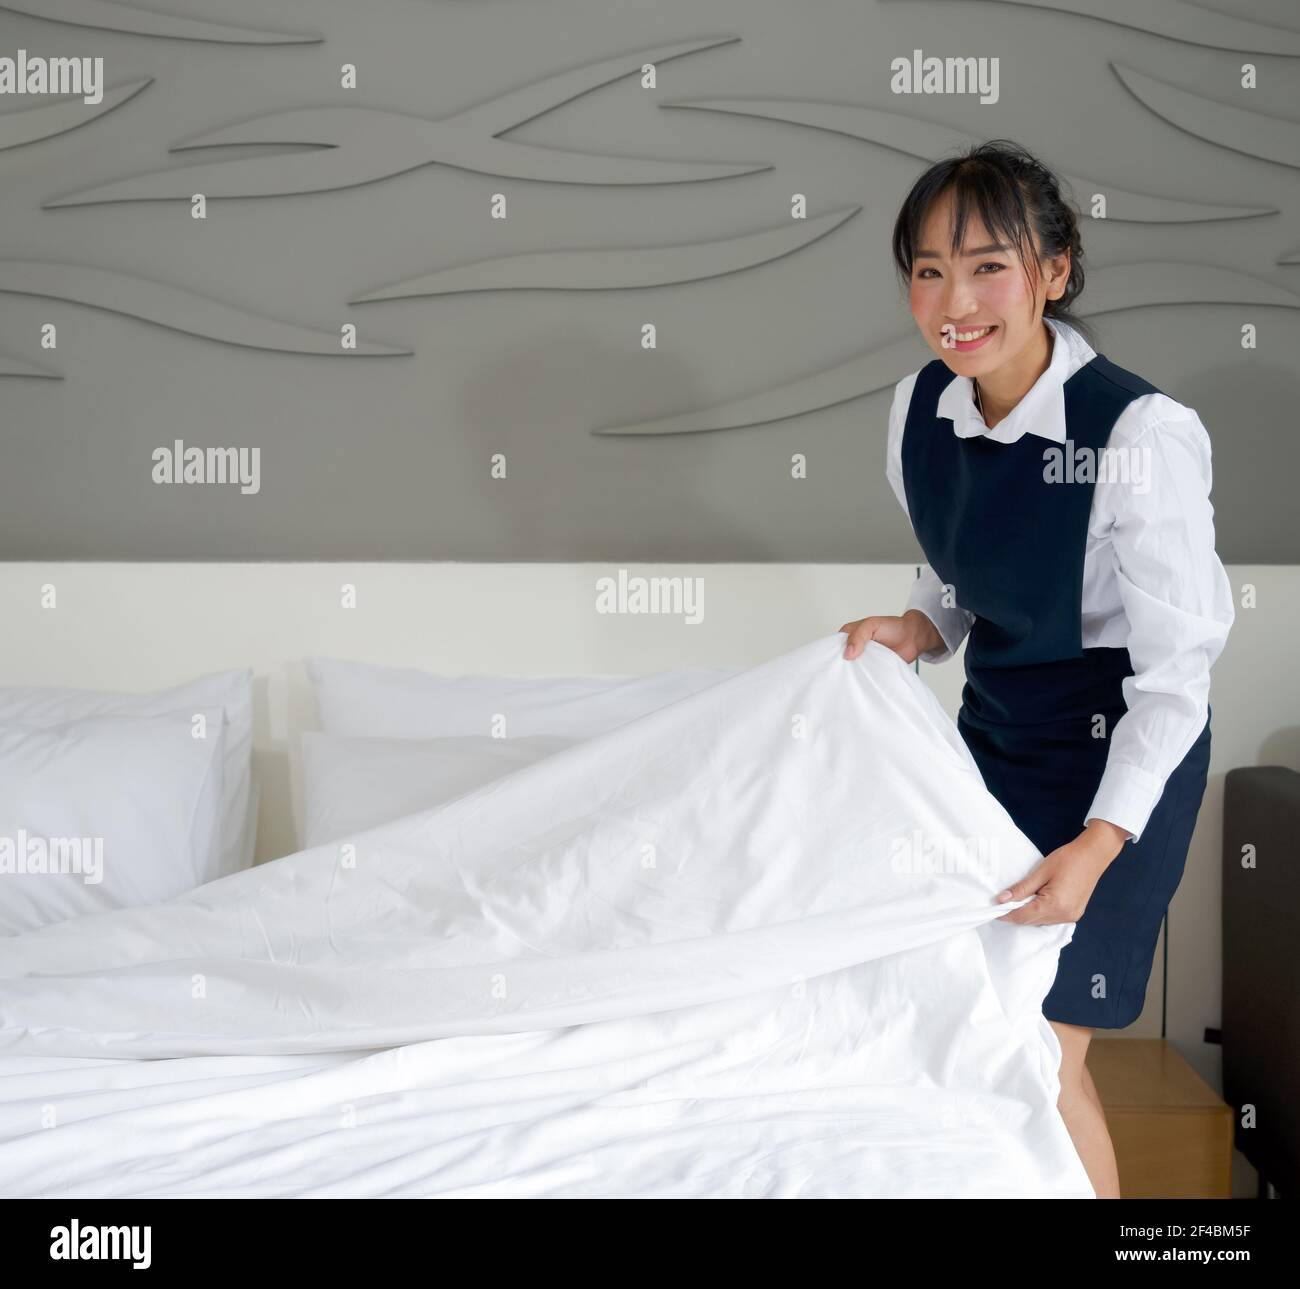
column 988, row 264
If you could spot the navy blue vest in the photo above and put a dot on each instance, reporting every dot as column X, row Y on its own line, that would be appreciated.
column 1011, row 543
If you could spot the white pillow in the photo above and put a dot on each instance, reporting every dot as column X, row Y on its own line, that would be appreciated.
column 105, row 812
column 370, row 701
column 351, row 784
column 231, row 691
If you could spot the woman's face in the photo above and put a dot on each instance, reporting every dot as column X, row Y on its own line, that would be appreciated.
column 977, row 310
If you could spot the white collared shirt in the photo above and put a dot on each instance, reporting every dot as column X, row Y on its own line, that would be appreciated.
column 1151, row 578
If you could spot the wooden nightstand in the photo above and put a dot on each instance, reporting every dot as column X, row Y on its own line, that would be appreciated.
column 1172, row 1132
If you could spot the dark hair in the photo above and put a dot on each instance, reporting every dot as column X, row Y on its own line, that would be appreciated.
column 1012, row 191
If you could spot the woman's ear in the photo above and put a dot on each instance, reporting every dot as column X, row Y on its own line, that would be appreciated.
column 1057, row 270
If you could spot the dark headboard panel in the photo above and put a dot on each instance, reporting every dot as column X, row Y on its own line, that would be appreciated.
column 1261, row 967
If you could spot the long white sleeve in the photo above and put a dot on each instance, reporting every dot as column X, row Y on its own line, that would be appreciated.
column 1178, row 603
column 939, row 604
column 928, row 593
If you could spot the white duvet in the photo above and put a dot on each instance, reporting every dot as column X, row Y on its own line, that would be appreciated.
column 746, row 945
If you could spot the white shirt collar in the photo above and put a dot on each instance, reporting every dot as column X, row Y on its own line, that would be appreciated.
column 1041, row 411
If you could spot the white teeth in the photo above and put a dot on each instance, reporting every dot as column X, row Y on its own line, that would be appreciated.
column 972, row 335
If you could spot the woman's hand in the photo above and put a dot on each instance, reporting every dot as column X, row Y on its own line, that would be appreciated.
column 908, row 636
column 1064, row 881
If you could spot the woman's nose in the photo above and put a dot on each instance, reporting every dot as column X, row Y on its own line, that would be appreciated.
column 958, row 301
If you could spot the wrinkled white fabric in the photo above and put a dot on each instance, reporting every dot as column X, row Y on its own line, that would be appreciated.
column 700, row 955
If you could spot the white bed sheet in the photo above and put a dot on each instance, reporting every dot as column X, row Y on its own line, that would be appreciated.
column 511, row 996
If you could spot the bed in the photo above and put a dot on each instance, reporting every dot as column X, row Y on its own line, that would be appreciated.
column 741, row 944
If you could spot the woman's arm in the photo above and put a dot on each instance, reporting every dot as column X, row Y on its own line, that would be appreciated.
column 928, row 595
column 1178, row 604
column 1179, row 607
column 938, row 602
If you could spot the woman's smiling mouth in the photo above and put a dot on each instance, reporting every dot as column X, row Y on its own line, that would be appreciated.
column 966, row 339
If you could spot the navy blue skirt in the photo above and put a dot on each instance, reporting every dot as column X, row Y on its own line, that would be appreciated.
column 1030, row 730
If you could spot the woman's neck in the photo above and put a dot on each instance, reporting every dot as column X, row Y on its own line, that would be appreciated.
column 1001, row 390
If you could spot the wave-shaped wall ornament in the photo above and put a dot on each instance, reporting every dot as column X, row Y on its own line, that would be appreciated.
column 610, row 270
column 1253, row 134
column 1110, row 290
column 109, row 15
column 930, row 142
column 175, row 308
column 12, row 365
column 355, row 146
column 68, row 112
column 1188, row 23
column 1119, row 287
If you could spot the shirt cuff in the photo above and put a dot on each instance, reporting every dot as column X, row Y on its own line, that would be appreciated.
column 952, row 623
column 1126, row 797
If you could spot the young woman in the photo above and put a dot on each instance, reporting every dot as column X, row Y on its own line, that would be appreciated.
column 1063, row 507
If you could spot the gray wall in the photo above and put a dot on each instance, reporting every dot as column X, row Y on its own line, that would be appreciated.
column 379, row 455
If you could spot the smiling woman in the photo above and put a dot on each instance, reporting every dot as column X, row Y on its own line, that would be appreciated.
column 1094, row 601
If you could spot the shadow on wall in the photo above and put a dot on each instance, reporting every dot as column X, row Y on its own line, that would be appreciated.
column 1232, row 399
column 1281, row 747
column 538, row 404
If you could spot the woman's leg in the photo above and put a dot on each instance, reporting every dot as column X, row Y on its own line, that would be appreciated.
column 1081, row 1109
